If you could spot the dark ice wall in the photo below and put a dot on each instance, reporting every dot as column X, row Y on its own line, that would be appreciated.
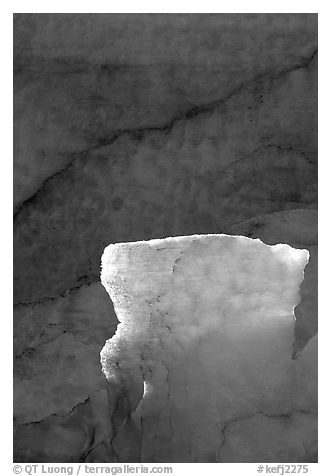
column 137, row 126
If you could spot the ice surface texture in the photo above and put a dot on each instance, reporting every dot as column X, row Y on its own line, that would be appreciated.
column 200, row 368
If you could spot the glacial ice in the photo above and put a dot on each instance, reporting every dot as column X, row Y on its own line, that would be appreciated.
column 200, row 368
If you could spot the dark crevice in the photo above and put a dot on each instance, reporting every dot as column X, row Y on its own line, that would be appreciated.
column 223, row 429
column 139, row 133
column 57, row 415
column 64, row 294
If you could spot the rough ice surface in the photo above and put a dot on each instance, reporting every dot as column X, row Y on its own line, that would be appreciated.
column 200, row 368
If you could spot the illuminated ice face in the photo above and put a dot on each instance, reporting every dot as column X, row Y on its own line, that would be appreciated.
column 205, row 337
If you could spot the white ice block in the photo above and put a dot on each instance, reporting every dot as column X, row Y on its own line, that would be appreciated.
column 204, row 345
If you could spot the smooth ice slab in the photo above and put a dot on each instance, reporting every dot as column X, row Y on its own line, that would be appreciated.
column 204, row 344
